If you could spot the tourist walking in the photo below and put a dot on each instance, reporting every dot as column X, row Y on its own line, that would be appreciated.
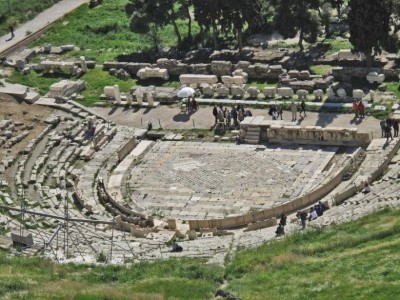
column 234, row 115
column 293, row 108
column 215, row 113
column 361, row 110
column 280, row 230
column 302, row 108
column 302, row 215
column 279, row 111
column 383, row 128
column 283, row 219
column 355, row 108
column 11, row 28
column 388, row 131
column 395, row 124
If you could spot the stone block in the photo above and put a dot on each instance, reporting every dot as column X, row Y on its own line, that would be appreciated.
column 285, row 92
column 239, row 72
column 294, row 74
column 341, row 93
column 237, row 91
column 374, row 77
column 305, row 75
column 192, row 234
column 302, row 94
column 171, row 224
column 221, row 68
column 147, row 73
column 222, row 91
column 253, row 92
column 233, row 80
column 23, row 239
column 358, row 94
column 197, row 79
column 269, row 92
column 318, row 94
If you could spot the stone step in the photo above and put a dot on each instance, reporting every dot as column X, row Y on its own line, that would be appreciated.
column 251, row 141
column 32, row 97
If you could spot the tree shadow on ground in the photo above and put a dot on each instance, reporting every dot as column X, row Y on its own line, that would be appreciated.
column 184, row 116
column 324, row 119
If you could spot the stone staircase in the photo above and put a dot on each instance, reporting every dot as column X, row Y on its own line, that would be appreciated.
column 252, row 135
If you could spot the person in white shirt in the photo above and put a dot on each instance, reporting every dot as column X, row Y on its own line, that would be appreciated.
column 366, row 189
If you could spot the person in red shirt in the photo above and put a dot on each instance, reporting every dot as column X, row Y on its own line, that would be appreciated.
column 361, row 110
column 355, row 108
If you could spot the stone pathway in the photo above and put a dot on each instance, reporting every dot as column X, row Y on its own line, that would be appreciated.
column 170, row 117
column 42, row 20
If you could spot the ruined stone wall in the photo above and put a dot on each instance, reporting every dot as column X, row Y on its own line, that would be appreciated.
column 218, row 68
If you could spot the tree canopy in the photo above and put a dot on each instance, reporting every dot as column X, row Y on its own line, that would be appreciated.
column 369, row 25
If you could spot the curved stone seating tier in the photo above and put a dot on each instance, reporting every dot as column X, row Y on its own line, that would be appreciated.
column 115, row 181
column 92, row 240
column 378, row 156
column 100, row 166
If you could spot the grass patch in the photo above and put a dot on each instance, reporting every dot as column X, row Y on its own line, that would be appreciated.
column 350, row 261
column 96, row 80
column 356, row 260
column 320, row 69
column 37, row 278
column 103, row 33
column 261, row 84
column 393, row 86
column 338, row 44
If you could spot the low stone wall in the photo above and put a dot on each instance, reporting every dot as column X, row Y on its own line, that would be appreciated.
column 218, row 68
column 284, row 132
column 119, row 206
column 127, row 148
column 335, row 136
column 347, row 73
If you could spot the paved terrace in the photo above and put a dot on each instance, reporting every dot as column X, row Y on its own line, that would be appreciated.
column 214, row 180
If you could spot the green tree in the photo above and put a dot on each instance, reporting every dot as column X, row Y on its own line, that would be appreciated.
column 207, row 13
column 325, row 14
column 148, row 15
column 369, row 26
column 241, row 14
column 338, row 5
column 298, row 16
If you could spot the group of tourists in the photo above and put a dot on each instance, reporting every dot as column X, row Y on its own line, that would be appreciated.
column 386, row 128
column 276, row 112
column 315, row 211
column 230, row 117
column 359, row 109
